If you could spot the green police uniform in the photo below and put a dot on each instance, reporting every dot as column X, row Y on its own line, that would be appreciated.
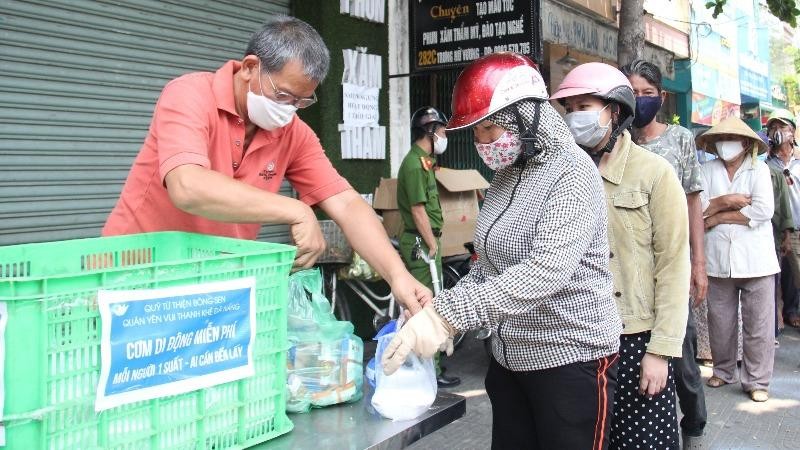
column 416, row 184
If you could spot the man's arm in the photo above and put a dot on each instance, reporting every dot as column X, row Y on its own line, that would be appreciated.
column 423, row 225
column 699, row 280
column 727, row 202
column 206, row 193
column 367, row 236
column 729, row 217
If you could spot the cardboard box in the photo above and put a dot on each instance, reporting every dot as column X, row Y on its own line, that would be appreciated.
column 459, row 199
column 385, row 201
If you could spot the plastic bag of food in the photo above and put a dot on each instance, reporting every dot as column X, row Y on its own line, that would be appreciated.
column 358, row 269
column 325, row 358
column 410, row 391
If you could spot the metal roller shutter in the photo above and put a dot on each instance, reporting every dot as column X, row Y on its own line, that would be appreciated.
column 78, row 82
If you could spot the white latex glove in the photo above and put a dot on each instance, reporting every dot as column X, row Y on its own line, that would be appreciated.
column 426, row 333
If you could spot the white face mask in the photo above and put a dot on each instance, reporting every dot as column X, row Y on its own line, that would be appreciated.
column 439, row 144
column 729, row 150
column 500, row 153
column 267, row 113
column 585, row 127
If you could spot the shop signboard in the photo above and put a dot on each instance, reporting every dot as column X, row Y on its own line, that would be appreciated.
column 711, row 82
column 168, row 341
column 711, row 111
column 754, row 84
column 446, row 33
column 564, row 27
column 369, row 10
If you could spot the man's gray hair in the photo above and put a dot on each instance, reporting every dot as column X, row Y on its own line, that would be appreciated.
column 284, row 38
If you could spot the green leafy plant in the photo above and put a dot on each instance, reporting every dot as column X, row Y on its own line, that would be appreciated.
column 785, row 10
column 792, row 85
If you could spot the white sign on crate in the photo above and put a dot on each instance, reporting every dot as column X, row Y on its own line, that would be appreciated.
column 169, row 341
column 361, row 135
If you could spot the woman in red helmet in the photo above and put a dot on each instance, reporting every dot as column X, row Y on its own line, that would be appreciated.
column 541, row 282
column 648, row 226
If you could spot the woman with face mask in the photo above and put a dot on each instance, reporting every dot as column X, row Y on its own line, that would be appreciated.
column 738, row 206
column 676, row 144
column 541, row 282
column 648, row 229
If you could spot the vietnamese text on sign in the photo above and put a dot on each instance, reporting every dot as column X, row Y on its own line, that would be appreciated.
column 361, row 135
column 369, row 10
column 173, row 340
column 456, row 35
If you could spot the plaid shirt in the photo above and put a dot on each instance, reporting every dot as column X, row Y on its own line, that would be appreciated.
column 542, row 282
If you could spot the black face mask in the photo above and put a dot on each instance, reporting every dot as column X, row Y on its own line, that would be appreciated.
column 646, row 109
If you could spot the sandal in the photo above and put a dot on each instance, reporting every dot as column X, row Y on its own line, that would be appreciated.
column 759, row 395
column 715, row 382
column 794, row 321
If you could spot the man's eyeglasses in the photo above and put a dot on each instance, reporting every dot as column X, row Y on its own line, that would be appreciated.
column 284, row 98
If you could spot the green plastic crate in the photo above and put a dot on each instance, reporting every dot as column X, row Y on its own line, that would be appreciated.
column 53, row 334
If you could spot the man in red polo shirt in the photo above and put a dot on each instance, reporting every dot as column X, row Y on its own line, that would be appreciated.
column 221, row 143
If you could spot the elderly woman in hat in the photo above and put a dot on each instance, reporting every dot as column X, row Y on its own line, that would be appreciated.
column 737, row 202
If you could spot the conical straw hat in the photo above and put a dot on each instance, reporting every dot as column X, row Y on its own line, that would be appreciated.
column 731, row 125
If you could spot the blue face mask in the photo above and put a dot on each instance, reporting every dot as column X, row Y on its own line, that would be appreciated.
column 646, row 109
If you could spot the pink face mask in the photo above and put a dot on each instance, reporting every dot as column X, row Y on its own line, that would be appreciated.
column 500, row 153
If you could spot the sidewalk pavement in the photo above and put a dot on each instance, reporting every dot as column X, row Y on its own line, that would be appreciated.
column 734, row 421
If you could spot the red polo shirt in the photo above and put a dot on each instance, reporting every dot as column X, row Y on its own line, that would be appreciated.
column 195, row 122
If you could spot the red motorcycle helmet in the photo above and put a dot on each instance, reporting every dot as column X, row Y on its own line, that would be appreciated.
column 491, row 83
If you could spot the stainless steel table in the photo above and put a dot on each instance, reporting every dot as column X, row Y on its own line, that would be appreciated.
column 358, row 426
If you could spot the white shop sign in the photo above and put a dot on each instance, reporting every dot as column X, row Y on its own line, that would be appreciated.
column 359, row 105
column 363, row 142
column 361, row 135
column 369, row 10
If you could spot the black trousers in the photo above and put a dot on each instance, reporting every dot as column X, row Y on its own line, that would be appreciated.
column 565, row 408
column 689, row 385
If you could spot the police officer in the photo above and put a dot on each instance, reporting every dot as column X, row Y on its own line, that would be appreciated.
column 418, row 201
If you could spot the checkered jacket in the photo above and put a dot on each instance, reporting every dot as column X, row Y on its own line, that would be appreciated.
column 541, row 282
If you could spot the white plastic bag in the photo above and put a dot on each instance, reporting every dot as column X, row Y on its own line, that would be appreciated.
column 407, row 393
